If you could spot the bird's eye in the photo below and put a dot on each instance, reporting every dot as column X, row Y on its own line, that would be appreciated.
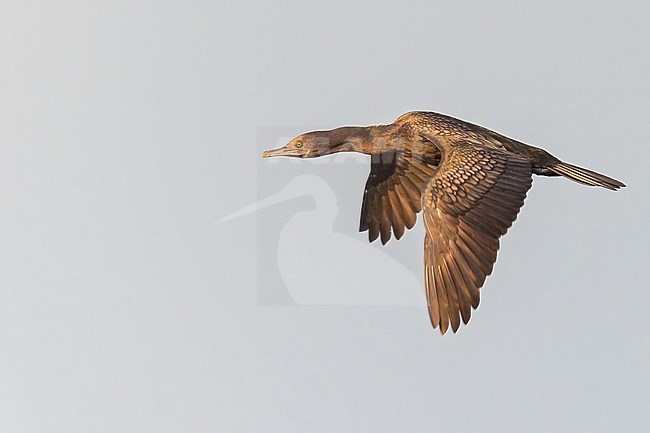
column 298, row 144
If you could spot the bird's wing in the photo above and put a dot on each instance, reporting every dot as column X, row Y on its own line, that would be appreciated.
column 471, row 201
column 392, row 194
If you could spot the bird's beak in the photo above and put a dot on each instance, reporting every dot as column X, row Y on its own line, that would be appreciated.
column 285, row 151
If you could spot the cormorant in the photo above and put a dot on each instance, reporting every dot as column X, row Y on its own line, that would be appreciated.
column 470, row 181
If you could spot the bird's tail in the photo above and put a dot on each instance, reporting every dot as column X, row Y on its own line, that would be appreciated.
column 584, row 176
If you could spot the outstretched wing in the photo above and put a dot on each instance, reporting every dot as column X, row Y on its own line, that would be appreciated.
column 471, row 201
column 392, row 196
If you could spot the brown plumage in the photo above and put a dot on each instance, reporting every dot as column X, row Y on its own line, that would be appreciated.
column 470, row 181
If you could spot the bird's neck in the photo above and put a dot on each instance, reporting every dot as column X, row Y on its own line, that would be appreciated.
column 362, row 139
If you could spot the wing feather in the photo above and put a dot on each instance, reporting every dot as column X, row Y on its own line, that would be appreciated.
column 469, row 203
column 392, row 196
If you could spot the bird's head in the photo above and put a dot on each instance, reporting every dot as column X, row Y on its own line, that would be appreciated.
column 319, row 143
column 308, row 145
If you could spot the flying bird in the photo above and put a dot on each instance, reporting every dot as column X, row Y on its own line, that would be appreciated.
column 469, row 181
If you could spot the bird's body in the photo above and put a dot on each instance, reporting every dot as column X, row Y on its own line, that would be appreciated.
column 470, row 182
